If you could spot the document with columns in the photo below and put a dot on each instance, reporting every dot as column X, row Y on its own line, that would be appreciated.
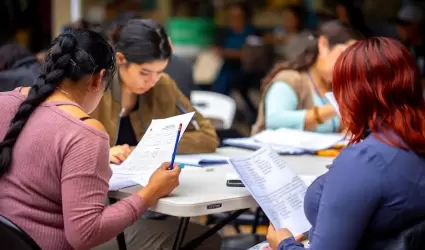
column 275, row 187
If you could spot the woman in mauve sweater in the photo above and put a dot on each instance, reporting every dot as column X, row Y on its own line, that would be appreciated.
column 54, row 158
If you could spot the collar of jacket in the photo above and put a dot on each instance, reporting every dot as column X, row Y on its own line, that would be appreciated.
column 115, row 88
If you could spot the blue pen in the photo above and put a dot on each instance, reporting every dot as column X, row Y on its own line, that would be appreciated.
column 173, row 157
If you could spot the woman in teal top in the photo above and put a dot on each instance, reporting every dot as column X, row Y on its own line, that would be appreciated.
column 281, row 102
column 293, row 92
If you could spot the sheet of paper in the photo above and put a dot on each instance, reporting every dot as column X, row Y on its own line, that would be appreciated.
column 156, row 147
column 331, row 98
column 310, row 141
column 276, row 188
column 118, row 181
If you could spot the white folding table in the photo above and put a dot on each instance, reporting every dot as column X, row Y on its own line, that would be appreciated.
column 203, row 191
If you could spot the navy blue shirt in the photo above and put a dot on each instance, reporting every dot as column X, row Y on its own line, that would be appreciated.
column 372, row 190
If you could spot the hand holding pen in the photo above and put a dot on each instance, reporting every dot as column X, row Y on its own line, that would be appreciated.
column 162, row 182
column 176, row 145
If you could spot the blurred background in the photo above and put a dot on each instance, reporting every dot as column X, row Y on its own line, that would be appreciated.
column 195, row 26
column 225, row 89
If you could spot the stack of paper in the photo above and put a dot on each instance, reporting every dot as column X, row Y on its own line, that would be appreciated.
column 288, row 141
column 305, row 140
column 155, row 148
column 276, row 188
column 201, row 160
column 117, row 181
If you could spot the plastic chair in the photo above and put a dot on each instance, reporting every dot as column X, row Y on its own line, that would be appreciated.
column 215, row 106
column 412, row 238
column 15, row 238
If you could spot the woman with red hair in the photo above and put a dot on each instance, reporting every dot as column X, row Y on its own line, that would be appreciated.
column 375, row 188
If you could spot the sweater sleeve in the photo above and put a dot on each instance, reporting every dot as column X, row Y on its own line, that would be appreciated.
column 281, row 108
column 85, row 178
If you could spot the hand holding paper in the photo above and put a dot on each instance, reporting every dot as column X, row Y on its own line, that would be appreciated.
column 162, row 182
column 157, row 146
column 276, row 188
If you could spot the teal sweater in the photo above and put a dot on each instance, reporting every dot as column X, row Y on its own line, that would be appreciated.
column 281, row 110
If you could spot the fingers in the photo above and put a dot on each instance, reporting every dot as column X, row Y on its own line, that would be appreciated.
column 176, row 169
column 299, row 238
column 121, row 157
column 114, row 160
column 126, row 148
column 165, row 166
column 271, row 228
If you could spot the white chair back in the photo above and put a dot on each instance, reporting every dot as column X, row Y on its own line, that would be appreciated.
column 215, row 106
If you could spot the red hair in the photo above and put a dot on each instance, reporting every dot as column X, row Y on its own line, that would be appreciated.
column 377, row 85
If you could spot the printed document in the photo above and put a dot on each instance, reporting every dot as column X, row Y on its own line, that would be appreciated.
column 276, row 188
column 331, row 98
column 156, row 147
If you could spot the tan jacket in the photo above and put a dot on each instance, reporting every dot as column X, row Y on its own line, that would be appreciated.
column 299, row 81
column 159, row 102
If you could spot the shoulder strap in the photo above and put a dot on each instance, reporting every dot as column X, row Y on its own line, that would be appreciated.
column 299, row 81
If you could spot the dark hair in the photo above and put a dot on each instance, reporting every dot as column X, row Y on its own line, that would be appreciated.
column 299, row 12
column 73, row 55
column 336, row 33
column 390, row 97
column 10, row 53
column 116, row 26
column 355, row 17
column 143, row 40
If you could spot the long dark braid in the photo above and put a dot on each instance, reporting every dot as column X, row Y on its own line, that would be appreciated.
column 65, row 60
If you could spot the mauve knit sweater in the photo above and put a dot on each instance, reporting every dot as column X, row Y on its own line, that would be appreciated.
column 58, row 181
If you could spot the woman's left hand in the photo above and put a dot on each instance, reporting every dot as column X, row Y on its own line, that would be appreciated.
column 275, row 237
column 119, row 153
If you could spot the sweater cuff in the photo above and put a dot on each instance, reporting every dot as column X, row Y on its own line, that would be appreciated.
column 289, row 244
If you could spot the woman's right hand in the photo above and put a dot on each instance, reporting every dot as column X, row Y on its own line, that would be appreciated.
column 162, row 182
column 328, row 111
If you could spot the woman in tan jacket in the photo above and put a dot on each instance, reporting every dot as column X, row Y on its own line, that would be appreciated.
column 141, row 91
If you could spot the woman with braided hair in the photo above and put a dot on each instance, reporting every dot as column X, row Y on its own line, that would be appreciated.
column 54, row 164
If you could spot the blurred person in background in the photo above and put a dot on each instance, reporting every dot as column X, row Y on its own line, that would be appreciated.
column 410, row 30
column 79, row 24
column 350, row 13
column 372, row 196
column 229, row 46
column 285, row 37
column 18, row 67
column 293, row 91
